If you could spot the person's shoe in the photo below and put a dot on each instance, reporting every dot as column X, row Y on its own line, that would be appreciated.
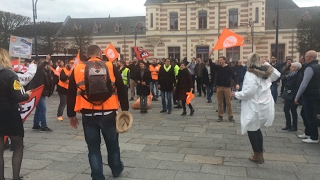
column 292, row 129
column 220, row 119
column 59, row 118
column 175, row 103
column 204, row 94
column 286, row 128
column 310, row 141
column 209, row 101
column 231, row 119
column 45, row 129
column 303, row 136
column 131, row 99
column 163, row 111
column 191, row 112
column 169, row 112
column 117, row 174
column 184, row 113
column 178, row 106
column 257, row 157
column 36, row 127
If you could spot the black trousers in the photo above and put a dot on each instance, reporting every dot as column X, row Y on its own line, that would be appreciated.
column 200, row 86
column 256, row 140
column 184, row 105
column 293, row 108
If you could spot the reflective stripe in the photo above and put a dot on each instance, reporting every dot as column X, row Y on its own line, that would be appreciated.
column 81, row 83
column 99, row 113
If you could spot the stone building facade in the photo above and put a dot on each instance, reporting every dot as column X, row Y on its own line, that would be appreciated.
column 190, row 28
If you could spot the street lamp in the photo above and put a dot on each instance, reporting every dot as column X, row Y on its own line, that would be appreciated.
column 251, row 25
column 135, row 30
column 34, row 9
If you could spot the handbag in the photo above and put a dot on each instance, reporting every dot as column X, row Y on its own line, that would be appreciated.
column 288, row 94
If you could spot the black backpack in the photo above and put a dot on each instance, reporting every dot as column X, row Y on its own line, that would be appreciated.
column 99, row 87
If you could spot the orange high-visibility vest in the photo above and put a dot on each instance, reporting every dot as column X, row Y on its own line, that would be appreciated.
column 65, row 84
column 110, row 104
column 154, row 71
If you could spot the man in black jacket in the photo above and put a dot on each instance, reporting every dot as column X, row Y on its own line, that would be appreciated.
column 167, row 81
column 133, row 67
column 42, row 76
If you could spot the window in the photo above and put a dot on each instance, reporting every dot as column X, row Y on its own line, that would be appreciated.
column 203, row 52
column 233, row 18
column 202, row 19
column 174, row 52
column 174, row 21
column 281, row 52
column 233, row 53
column 151, row 20
column 257, row 15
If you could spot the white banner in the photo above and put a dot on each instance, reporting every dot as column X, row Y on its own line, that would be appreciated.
column 20, row 47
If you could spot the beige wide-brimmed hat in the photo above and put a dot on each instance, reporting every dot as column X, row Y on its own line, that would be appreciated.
column 124, row 121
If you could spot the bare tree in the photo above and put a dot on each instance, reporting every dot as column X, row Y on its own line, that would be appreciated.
column 9, row 22
column 82, row 39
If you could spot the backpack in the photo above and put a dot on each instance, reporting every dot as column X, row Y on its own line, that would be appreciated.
column 99, row 87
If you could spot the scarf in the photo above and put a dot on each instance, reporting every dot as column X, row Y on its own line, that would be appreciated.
column 166, row 68
column 291, row 75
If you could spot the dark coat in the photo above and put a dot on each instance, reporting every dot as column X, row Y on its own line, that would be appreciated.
column 166, row 80
column 42, row 76
column 291, row 88
column 143, row 90
column 205, row 76
column 184, row 84
column 133, row 69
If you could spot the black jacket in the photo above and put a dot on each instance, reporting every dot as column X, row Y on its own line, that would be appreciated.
column 63, row 77
column 166, row 80
column 10, row 94
column 143, row 90
column 42, row 76
column 291, row 88
column 133, row 69
column 206, row 79
column 313, row 88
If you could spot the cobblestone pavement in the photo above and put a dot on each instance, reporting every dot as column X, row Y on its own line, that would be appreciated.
column 162, row 146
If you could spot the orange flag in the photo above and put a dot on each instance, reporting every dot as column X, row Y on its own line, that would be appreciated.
column 228, row 39
column 55, row 72
column 111, row 52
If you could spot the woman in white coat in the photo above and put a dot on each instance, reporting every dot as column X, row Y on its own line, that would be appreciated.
column 257, row 104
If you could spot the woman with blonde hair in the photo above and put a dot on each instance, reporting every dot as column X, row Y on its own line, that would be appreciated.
column 257, row 105
column 10, row 121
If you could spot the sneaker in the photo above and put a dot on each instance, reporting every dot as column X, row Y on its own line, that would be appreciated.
column 220, row 119
column 303, row 136
column 59, row 118
column 231, row 119
column 163, row 111
column 184, row 113
column 36, row 127
column 45, row 129
column 310, row 141
column 292, row 129
column 209, row 101
column 191, row 112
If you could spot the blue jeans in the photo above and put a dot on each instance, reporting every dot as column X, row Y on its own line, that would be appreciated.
column 40, row 114
column 92, row 126
column 143, row 102
column 152, row 85
column 309, row 116
column 274, row 91
column 209, row 88
column 169, row 99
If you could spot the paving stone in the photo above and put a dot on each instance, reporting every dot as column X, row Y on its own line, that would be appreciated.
column 195, row 129
column 312, row 159
column 270, row 174
column 81, row 177
column 232, row 154
column 166, row 156
column 134, row 162
column 136, row 154
column 32, row 164
column 238, row 178
column 179, row 166
column 241, row 162
column 49, row 175
column 284, row 157
column 151, row 173
column 157, row 148
column 215, row 136
column 57, row 156
column 73, row 149
column 208, row 145
column 67, row 167
column 197, row 151
column 283, row 166
column 203, row 159
column 144, row 141
column 307, row 176
column 44, row 147
column 224, row 170
column 131, row 146
column 309, row 168
column 180, row 144
column 161, row 137
column 192, row 176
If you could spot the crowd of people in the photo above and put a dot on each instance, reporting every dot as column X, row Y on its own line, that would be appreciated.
column 254, row 83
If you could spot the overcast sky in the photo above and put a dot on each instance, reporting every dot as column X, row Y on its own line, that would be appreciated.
column 58, row 10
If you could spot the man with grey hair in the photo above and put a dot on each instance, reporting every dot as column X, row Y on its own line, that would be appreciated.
column 309, row 90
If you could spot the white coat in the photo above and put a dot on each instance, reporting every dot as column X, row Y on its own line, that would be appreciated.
column 257, row 104
column 26, row 77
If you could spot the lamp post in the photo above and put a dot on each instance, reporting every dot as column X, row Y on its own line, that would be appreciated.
column 251, row 25
column 135, row 30
column 34, row 9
